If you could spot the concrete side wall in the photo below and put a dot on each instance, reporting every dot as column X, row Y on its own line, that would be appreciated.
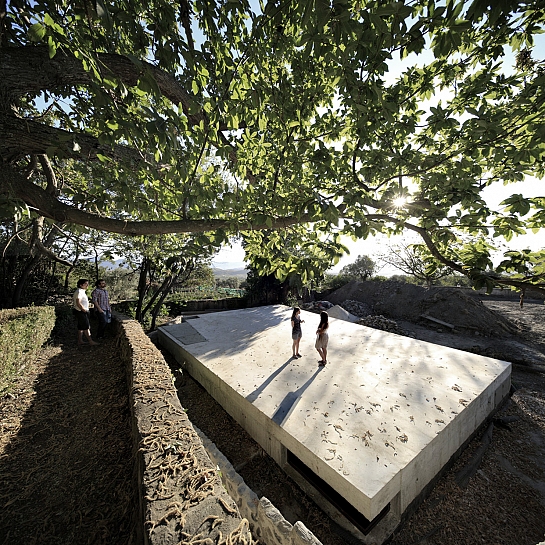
column 257, row 424
column 180, row 493
column 430, row 462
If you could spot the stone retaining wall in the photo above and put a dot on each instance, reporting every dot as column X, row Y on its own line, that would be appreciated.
column 181, row 495
column 266, row 522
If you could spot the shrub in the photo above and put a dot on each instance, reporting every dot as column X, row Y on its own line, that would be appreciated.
column 334, row 281
column 23, row 331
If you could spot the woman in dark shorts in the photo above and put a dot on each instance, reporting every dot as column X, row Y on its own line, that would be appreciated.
column 296, row 332
column 81, row 312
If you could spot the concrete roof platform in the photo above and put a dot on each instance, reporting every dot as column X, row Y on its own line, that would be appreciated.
column 371, row 429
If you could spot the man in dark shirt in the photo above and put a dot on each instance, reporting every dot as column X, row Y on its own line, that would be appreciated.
column 101, row 301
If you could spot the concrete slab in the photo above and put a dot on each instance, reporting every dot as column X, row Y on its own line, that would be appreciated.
column 376, row 424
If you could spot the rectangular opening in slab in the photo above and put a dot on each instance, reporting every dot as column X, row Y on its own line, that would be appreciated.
column 334, row 498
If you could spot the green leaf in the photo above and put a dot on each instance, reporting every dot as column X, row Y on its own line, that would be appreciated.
column 36, row 32
column 52, row 47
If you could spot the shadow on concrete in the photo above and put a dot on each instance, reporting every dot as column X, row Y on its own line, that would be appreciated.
column 289, row 402
column 259, row 390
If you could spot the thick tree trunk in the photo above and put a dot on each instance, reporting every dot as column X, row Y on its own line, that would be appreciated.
column 164, row 292
column 29, row 69
column 164, row 286
column 23, row 280
column 21, row 137
column 143, row 287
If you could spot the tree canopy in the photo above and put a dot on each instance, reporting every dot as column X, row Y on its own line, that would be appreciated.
column 362, row 269
column 219, row 118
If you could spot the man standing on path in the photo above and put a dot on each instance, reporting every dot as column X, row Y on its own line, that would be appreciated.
column 101, row 301
column 81, row 312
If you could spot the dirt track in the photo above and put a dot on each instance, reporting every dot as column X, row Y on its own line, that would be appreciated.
column 66, row 466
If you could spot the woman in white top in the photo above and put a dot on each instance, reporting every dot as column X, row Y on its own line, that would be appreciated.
column 81, row 312
column 322, row 337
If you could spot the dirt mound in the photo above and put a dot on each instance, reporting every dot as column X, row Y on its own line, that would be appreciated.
column 465, row 312
column 408, row 302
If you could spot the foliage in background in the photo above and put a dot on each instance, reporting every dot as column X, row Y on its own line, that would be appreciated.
column 229, row 282
column 121, row 283
column 162, row 264
column 39, row 259
column 333, row 282
column 417, row 261
column 362, row 269
column 265, row 289
column 23, row 332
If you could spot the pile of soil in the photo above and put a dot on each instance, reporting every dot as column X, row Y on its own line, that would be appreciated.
column 409, row 302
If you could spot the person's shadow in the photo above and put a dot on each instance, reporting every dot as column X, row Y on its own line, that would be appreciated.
column 259, row 390
column 289, row 403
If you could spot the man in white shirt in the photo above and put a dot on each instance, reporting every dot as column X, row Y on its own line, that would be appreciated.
column 81, row 312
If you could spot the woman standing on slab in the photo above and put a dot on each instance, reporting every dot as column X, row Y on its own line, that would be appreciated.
column 296, row 332
column 322, row 337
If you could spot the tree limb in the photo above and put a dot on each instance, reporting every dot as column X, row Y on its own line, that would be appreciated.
column 14, row 185
column 37, row 244
column 22, row 137
column 52, row 185
column 28, row 70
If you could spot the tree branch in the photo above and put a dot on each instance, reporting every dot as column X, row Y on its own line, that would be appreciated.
column 52, row 184
column 28, row 70
column 15, row 186
column 37, row 244
column 22, row 137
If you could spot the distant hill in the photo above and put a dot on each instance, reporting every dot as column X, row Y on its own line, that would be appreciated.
column 224, row 273
column 113, row 264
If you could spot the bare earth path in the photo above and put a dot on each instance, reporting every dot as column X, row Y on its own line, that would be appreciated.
column 66, row 456
column 66, row 450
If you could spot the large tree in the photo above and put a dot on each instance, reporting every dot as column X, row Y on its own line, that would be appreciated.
column 219, row 118
column 362, row 269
